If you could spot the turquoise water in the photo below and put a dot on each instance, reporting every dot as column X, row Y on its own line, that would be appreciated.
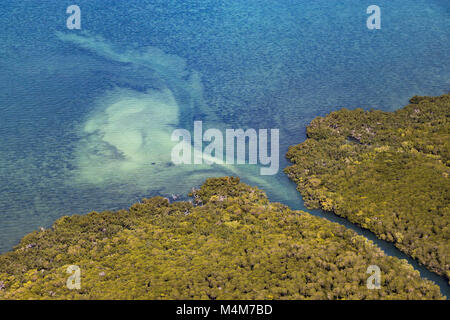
column 86, row 115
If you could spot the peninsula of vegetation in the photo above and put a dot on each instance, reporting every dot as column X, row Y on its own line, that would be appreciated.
column 386, row 171
column 229, row 243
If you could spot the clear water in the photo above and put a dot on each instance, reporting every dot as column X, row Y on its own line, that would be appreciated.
column 86, row 116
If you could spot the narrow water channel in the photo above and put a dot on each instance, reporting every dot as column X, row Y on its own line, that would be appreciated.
column 387, row 247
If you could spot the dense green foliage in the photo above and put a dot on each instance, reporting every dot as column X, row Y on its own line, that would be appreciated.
column 232, row 243
column 386, row 171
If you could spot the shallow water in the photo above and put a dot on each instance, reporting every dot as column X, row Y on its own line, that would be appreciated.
column 86, row 115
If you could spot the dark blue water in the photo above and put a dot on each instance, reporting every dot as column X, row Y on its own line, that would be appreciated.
column 86, row 116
